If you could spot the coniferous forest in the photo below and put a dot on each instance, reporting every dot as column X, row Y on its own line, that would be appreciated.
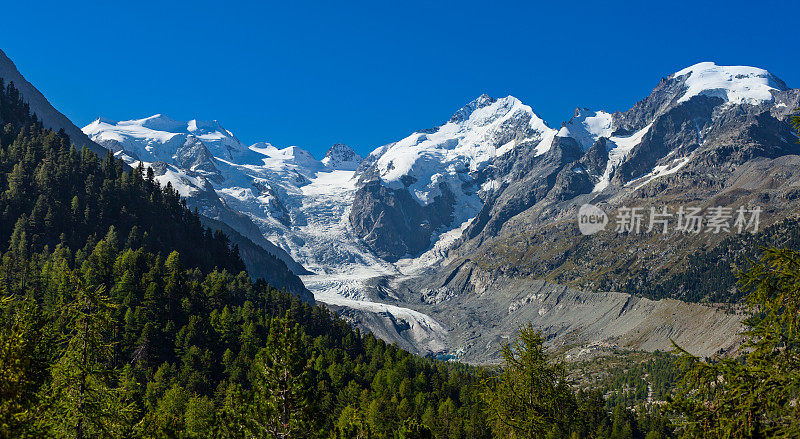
column 122, row 316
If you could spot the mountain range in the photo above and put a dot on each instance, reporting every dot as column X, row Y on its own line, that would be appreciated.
column 448, row 239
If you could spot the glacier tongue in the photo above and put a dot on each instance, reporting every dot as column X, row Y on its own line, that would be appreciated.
column 413, row 198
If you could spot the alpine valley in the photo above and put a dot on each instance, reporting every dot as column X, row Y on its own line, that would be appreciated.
column 445, row 241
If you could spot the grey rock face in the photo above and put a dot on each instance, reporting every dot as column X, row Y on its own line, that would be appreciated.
column 596, row 158
column 342, row 157
column 393, row 224
column 194, row 156
column 277, row 209
column 710, row 134
column 520, row 184
column 703, row 150
column 530, row 178
column 388, row 220
column 484, row 308
column 261, row 260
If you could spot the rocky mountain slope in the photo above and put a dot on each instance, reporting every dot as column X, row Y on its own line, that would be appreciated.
column 447, row 239
column 707, row 137
column 50, row 117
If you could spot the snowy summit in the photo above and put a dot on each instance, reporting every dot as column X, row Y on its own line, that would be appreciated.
column 734, row 84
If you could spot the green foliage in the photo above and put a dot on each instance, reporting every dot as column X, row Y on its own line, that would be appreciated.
column 80, row 400
column 233, row 356
column 629, row 378
column 756, row 395
column 51, row 194
column 796, row 121
column 531, row 397
column 20, row 363
column 280, row 405
column 123, row 317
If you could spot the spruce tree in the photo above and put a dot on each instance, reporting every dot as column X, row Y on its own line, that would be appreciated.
column 21, row 365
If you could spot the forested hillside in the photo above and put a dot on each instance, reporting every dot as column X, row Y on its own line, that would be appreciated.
column 53, row 194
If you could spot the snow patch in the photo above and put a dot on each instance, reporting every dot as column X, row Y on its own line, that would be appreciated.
column 660, row 171
column 619, row 148
column 734, row 84
column 587, row 126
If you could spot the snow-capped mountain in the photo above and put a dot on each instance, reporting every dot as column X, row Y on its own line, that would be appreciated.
column 698, row 112
column 260, row 181
column 159, row 138
column 290, row 198
column 185, row 146
column 707, row 136
column 436, row 180
column 389, row 234
column 733, row 84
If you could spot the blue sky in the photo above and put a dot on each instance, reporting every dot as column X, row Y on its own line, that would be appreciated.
column 311, row 74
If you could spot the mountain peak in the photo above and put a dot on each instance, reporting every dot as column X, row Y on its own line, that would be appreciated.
column 104, row 120
column 463, row 113
column 161, row 122
column 735, row 84
column 341, row 157
column 195, row 125
column 165, row 135
column 586, row 126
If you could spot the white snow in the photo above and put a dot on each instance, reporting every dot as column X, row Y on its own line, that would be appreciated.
column 587, row 126
column 734, row 84
column 619, row 148
column 341, row 157
column 183, row 183
column 303, row 204
column 660, row 171
column 459, row 147
column 158, row 137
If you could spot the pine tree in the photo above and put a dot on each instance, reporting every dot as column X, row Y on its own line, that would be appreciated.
column 281, row 389
column 756, row 395
column 20, row 333
column 531, row 395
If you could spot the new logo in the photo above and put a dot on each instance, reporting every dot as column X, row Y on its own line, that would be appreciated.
column 591, row 219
